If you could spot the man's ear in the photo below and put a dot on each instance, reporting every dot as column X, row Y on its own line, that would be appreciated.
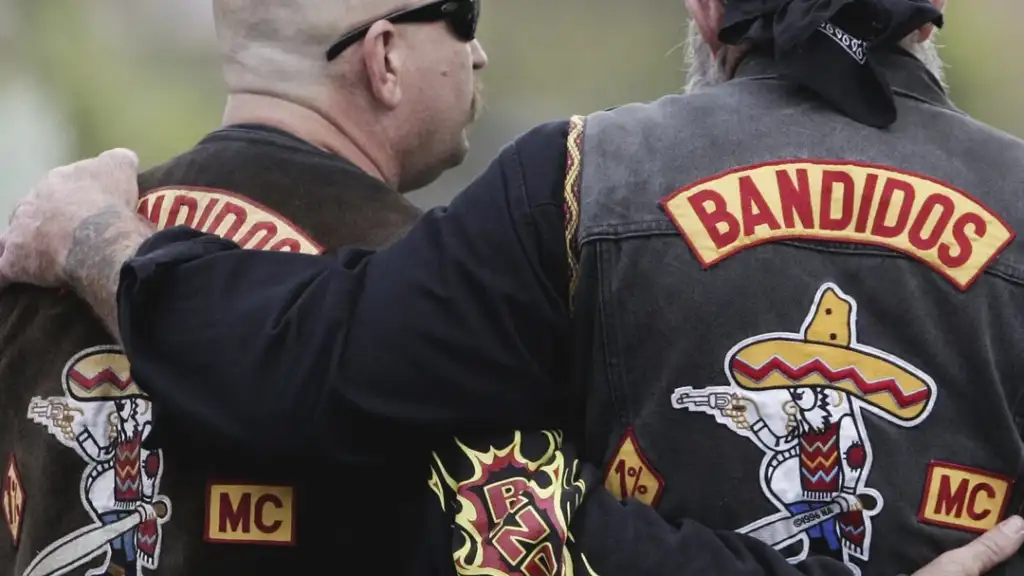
column 708, row 16
column 926, row 31
column 384, row 60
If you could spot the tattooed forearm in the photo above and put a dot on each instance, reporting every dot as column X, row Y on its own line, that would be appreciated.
column 101, row 244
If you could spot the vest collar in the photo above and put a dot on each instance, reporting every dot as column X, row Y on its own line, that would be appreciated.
column 908, row 76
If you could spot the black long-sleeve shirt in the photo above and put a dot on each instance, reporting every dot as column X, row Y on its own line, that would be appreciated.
column 461, row 327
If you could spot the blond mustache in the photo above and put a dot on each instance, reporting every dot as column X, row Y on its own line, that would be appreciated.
column 476, row 107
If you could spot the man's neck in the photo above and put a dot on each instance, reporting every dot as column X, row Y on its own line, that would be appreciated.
column 332, row 135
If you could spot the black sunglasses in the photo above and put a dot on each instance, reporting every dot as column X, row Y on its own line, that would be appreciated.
column 461, row 15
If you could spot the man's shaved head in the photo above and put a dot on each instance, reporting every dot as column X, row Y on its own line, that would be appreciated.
column 269, row 41
column 274, row 42
column 404, row 91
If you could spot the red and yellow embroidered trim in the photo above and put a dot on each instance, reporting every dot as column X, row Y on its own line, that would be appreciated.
column 573, row 176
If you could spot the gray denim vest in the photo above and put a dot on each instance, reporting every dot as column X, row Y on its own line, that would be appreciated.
column 802, row 328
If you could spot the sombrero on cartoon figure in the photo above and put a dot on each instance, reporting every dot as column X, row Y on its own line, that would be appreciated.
column 100, row 374
column 826, row 354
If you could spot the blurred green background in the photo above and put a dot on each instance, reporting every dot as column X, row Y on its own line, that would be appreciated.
column 81, row 76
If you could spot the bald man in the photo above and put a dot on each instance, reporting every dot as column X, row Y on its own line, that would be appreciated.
column 335, row 108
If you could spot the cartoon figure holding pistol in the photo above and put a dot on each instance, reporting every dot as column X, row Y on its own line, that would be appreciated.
column 105, row 417
column 800, row 397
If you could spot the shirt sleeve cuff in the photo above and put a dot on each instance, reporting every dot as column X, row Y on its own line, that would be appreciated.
column 172, row 246
column 164, row 250
column 167, row 249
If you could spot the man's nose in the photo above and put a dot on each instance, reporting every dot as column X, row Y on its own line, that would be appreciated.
column 479, row 55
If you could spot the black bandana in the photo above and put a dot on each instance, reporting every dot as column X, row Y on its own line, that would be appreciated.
column 826, row 45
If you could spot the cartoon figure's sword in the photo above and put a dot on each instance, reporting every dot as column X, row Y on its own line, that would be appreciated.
column 61, row 556
column 777, row 532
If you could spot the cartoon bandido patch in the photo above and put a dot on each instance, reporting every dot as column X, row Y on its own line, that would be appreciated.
column 800, row 398
column 104, row 417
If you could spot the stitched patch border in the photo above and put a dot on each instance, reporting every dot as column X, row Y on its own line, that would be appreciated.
column 953, row 493
column 236, row 513
column 231, row 216
column 630, row 475
column 13, row 498
column 933, row 222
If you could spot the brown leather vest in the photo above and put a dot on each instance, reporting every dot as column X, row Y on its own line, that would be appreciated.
column 77, row 481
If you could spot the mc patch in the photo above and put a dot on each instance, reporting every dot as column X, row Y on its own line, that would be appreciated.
column 802, row 398
column 250, row 514
column 630, row 475
column 105, row 418
column 512, row 505
column 937, row 224
column 12, row 491
column 963, row 498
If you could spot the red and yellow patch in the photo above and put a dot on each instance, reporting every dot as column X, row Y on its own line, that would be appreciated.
column 513, row 505
column 937, row 224
column 963, row 498
column 230, row 216
column 100, row 373
column 630, row 476
column 250, row 514
column 12, row 496
column 828, row 355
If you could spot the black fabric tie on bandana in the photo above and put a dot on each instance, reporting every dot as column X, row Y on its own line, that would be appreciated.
column 826, row 45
